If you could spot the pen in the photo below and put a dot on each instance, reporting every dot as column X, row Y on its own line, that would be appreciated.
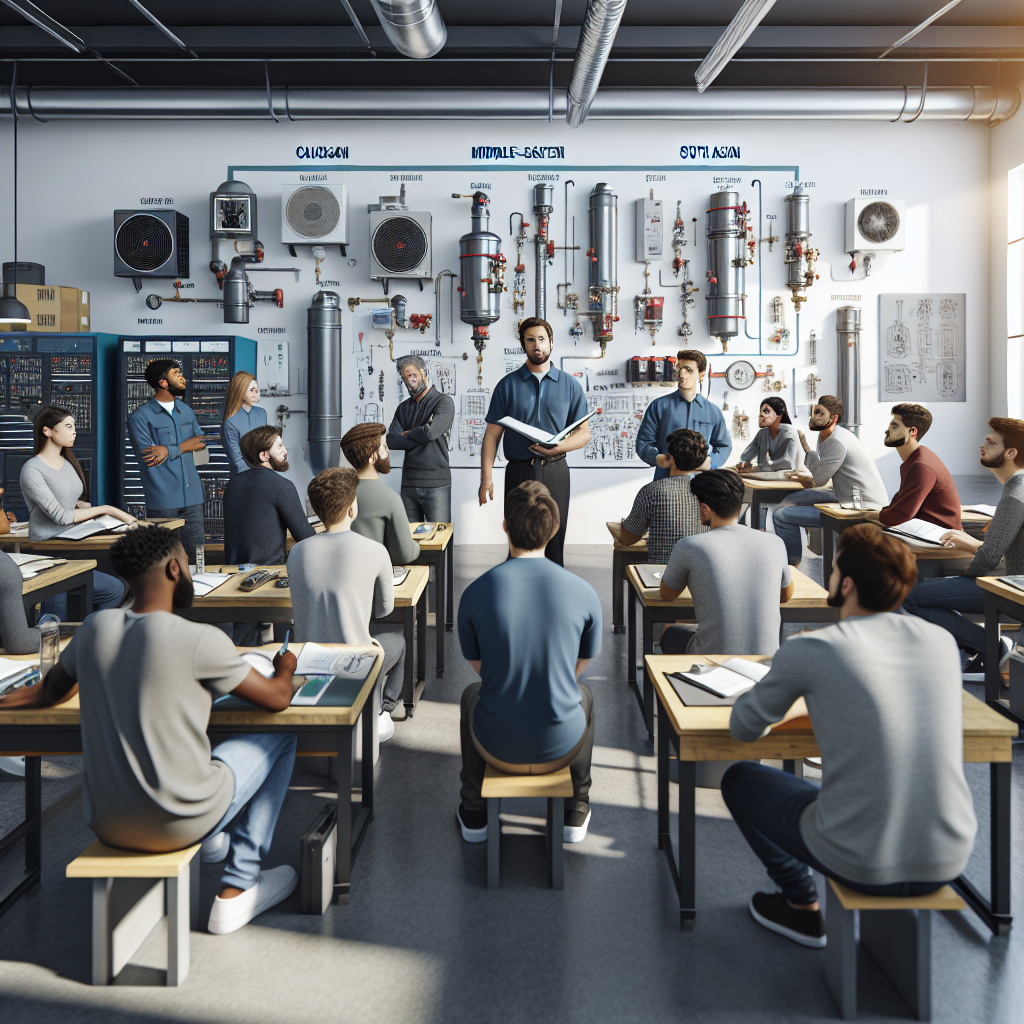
column 284, row 646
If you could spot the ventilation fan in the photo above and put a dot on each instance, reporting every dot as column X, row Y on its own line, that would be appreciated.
column 399, row 244
column 150, row 244
column 875, row 225
column 314, row 214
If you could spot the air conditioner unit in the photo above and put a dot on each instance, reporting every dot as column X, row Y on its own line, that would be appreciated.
column 150, row 243
column 399, row 244
column 876, row 225
column 314, row 214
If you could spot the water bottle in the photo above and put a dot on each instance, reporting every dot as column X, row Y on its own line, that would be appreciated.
column 200, row 558
column 857, row 503
column 49, row 643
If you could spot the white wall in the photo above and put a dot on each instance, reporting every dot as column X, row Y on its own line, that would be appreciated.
column 74, row 174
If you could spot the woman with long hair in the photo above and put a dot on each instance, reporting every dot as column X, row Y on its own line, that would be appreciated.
column 57, row 494
column 240, row 416
column 776, row 445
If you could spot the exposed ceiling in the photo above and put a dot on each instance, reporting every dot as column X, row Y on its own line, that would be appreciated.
column 660, row 43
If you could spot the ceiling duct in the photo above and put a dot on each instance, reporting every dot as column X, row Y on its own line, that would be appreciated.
column 597, row 36
column 415, row 27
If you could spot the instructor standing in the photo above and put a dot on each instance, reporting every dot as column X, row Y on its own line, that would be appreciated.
column 543, row 396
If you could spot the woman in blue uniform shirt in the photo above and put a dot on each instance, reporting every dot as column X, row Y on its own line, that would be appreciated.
column 241, row 415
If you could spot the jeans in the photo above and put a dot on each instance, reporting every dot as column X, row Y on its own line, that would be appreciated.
column 261, row 764
column 796, row 511
column 393, row 670
column 677, row 637
column 107, row 592
column 766, row 804
column 474, row 766
column 942, row 600
column 193, row 533
column 428, row 504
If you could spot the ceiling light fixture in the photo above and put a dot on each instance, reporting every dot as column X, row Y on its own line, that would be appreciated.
column 11, row 310
column 920, row 28
column 748, row 17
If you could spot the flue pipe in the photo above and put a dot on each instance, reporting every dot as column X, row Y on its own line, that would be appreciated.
column 597, row 36
column 415, row 27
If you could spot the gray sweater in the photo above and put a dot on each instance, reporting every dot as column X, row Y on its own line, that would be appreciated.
column 1005, row 534
column 382, row 517
column 884, row 694
column 424, row 425
column 16, row 636
column 50, row 495
column 338, row 582
column 781, row 452
column 843, row 458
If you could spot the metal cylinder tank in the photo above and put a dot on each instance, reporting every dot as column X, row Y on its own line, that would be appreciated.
column 726, row 233
column 481, row 274
column 323, row 372
column 800, row 257
column 236, row 293
column 603, row 261
column 848, row 361
column 542, row 208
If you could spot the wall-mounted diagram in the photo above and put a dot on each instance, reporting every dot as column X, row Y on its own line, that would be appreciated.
column 925, row 362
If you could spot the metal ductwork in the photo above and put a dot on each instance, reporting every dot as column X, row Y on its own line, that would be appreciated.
column 597, row 36
column 415, row 27
column 982, row 103
column 323, row 373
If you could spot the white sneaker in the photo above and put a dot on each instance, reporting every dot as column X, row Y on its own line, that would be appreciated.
column 1005, row 650
column 576, row 833
column 271, row 888
column 215, row 849
column 471, row 835
column 385, row 726
column 13, row 766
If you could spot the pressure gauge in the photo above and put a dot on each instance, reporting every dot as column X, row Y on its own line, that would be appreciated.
column 740, row 375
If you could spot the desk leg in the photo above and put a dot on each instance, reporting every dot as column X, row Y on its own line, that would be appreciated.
column 80, row 600
column 828, row 547
column 450, row 613
column 631, row 640
column 421, row 639
column 992, row 679
column 755, row 509
column 647, row 702
column 440, row 588
column 999, row 812
column 687, row 844
column 409, row 674
column 31, row 831
column 664, row 839
column 618, row 579
column 343, row 855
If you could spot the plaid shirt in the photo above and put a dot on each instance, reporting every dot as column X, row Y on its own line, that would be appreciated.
column 668, row 509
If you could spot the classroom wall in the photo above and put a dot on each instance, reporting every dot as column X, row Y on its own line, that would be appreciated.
column 74, row 174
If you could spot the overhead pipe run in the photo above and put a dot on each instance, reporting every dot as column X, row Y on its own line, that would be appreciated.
column 983, row 103
column 415, row 27
column 597, row 37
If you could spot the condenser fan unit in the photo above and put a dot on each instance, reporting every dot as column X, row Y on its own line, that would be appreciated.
column 150, row 244
column 399, row 245
column 879, row 222
column 314, row 214
column 876, row 225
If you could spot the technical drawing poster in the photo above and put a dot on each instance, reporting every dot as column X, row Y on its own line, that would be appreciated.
column 922, row 348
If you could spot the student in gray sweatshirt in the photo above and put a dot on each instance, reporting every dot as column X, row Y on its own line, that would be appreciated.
column 893, row 816
column 841, row 458
column 947, row 600
column 382, row 515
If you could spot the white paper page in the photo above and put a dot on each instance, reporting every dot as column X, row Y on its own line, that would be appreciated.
column 720, row 680
column 315, row 660
column 753, row 670
column 205, row 582
column 13, row 668
column 919, row 528
column 261, row 662
column 532, row 433
column 20, row 559
column 90, row 526
column 985, row 510
column 399, row 577
column 572, row 426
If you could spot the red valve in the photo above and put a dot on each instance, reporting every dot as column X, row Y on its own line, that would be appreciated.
column 853, row 264
column 259, row 252
column 420, row 321
column 551, row 248
column 279, row 298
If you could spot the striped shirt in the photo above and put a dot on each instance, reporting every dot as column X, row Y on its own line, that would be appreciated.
column 668, row 509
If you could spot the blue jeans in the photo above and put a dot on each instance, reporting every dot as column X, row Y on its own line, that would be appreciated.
column 107, row 592
column 193, row 533
column 766, row 804
column 428, row 504
column 261, row 764
column 796, row 511
column 942, row 600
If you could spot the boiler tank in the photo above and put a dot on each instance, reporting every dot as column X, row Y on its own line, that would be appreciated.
column 323, row 371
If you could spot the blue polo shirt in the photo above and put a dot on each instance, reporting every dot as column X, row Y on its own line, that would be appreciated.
column 527, row 621
column 175, row 482
column 673, row 412
column 550, row 402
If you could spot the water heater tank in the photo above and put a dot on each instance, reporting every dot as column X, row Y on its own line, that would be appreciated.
column 323, row 370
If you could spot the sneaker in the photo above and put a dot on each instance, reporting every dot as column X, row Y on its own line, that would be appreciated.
column 13, row 766
column 215, row 849
column 1005, row 650
column 271, row 888
column 476, row 830
column 772, row 910
column 385, row 726
column 575, row 827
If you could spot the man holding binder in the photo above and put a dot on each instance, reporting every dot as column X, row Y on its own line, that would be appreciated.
column 543, row 397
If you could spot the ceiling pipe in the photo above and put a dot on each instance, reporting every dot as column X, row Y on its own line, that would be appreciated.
column 415, row 27
column 872, row 103
column 597, row 36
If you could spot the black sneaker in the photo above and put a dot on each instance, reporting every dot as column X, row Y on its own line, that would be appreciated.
column 575, row 826
column 774, row 912
column 974, row 664
column 472, row 824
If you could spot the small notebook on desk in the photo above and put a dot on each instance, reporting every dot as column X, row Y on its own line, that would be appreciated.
column 424, row 531
column 206, row 582
column 650, row 575
column 919, row 530
column 768, row 474
column 401, row 574
column 89, row 527
column 717, row 685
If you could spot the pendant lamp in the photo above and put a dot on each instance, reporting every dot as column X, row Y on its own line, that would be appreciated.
column 11, row 310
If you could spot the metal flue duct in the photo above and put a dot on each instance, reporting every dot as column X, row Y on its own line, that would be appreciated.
column 323, row 370
column 597, row 36
column 415, row 27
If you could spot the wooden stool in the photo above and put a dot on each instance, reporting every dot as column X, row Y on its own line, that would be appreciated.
column 896, row 931
column 555, row 787
column 130, row 893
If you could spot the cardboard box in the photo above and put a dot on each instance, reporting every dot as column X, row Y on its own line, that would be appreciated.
column 53, row 309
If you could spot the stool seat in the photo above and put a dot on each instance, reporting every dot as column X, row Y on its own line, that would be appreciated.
column 945, row 898
column 498, row 784
column 101, row 861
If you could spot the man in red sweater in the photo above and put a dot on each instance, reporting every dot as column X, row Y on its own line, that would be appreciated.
column 926, row 489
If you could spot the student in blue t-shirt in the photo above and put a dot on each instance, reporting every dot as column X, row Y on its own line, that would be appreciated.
column 529, row 628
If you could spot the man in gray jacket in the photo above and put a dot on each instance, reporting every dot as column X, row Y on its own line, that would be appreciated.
column 893, row 816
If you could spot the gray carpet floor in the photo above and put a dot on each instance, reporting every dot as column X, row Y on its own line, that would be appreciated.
column 423, row 940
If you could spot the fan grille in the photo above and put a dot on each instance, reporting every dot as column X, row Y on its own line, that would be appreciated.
column 399, row 245
column 312, row 212
column 144, row 243
column 878, row 222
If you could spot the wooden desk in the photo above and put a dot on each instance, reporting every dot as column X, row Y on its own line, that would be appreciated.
column 72, row 578
column 439, row 552
column 322, row 732
column 808, row 604
column 622, row 555
column 702, row 734
column 274, row 604
column 1000, row 599
column 98, row 546
column 765, row 492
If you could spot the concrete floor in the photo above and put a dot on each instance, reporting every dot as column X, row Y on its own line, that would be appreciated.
column 422, row 940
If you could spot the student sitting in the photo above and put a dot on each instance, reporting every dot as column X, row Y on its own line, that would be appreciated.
column 736, row 576
column 667, row 507
column 339, row 580
column 777, row 444
column 146, row 679
column 16, row 636
column 382, row 515
column 926, row 489
column 893, row 816
column 945, row 601
column 529, row 628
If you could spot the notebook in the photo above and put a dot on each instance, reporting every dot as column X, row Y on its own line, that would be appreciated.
column 88, row 527
column 538, row 436
column 424, row 531
column 650, row 575
column 717, row 685
column 919, row 530
column 984, row 510
column 401, row 575
column 768, row 474
column 207, row 582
